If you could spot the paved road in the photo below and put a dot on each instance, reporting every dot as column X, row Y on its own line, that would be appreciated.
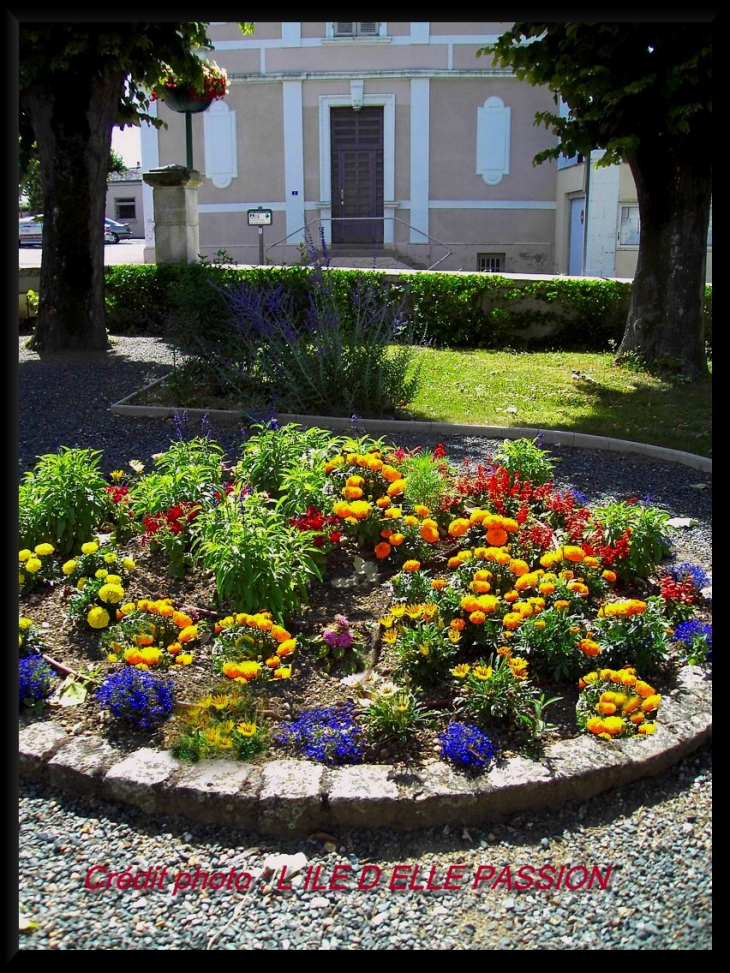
column 125, row 252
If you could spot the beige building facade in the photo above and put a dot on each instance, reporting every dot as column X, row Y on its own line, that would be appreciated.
column 393, row 138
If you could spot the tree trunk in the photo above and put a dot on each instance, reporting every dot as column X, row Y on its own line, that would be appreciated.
column 666, row 314
column 74, row 142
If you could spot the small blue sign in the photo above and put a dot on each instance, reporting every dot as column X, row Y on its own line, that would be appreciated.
column 295, row 192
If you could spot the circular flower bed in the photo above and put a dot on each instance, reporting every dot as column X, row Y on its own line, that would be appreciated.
column 345, row 600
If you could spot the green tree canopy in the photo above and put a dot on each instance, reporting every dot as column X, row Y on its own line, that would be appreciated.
column 642, row 92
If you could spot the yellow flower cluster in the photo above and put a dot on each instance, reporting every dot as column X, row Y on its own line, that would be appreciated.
column 626, row 705
column 622, row 609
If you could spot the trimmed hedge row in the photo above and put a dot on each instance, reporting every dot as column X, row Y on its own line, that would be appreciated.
column 455, row 310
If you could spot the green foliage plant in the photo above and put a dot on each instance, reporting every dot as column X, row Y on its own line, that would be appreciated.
column 219, row 725
column 257, row 559
column 648, row 539
column 633, row 637
column 500, row 691
column 395, row 717
column 424, row 652
column 550, row 641
column 526, row 457
column 62, row 500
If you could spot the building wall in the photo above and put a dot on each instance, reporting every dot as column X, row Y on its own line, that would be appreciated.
column 121, row 190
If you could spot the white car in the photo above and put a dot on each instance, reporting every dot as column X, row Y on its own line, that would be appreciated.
column 30, row 231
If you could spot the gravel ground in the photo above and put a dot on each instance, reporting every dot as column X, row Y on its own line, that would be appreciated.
column 656, row 834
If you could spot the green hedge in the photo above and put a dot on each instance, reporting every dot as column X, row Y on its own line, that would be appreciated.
column 455, row 310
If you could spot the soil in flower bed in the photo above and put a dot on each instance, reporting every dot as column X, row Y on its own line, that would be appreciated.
column 311, row 683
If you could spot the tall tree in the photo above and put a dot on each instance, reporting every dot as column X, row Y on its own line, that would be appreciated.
column 642, row 92
column 76, row 82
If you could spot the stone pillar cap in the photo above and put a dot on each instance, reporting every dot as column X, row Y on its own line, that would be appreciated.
column 174, row 175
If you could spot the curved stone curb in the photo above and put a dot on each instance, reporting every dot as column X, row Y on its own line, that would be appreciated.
column 556, row 437
column 296, row 797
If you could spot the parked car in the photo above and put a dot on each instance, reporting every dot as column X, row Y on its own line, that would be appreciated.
column 30, row 231
column 114, row 231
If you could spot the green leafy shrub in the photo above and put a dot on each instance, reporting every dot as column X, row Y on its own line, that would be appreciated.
column 62, row 500
column 648, row 537
column 632, row 633
column 396, row 717
column 524, row 456
column 257, row 559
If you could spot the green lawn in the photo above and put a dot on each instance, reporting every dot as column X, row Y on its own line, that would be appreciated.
column 564, row 390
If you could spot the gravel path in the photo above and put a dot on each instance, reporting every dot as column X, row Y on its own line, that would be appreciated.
column 656, row 834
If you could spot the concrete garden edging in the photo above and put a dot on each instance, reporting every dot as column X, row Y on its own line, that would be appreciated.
column 296, row 797
column 556, row 437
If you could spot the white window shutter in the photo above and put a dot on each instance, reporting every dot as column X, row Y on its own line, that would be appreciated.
column 493, row 140
column 221, row 156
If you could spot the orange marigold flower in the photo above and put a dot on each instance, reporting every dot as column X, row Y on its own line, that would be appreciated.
column 609, row 576
column 286, row 648
column 606, row 709
column 283, row 672
column 181, row 620
column 352, row 493
column 519, row 567
column 511, row 595
column 480, row 587
column 458, row 624
column 651, row 703
column 383, row 502
column 421, row 510
column 429, row 534
column 279, row 633
column 390, row 473
column 477, row 618
column 412, row 566
column 397, row 487
column 497, row 537
column 457, row 528
column 273, row 662
column 512, row 620
column 438, row 584
column 643, row 689
column 561, row 604
column 589, row 647
column 590, row 562
column 573, row 553
column 174, row 648
column 187, row 634
column 144, row 640
column 382, row 550
column 646, row 729
column 396, row 539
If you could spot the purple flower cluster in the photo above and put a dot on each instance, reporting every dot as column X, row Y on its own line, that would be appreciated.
column 329, row 734
column 35, row 679
column 693, row 633
column 338, row 635
column 466, row 745
column 680, row 572
column 137, row 697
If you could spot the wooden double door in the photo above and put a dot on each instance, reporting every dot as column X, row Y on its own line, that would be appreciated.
column 357, row 175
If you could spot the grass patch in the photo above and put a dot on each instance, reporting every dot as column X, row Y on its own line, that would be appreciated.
column 582, row 392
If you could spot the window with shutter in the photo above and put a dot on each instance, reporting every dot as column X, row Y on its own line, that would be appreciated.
column 349, row 29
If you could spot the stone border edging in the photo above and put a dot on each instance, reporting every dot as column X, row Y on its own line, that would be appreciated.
column 557, row 437
column 297, row 797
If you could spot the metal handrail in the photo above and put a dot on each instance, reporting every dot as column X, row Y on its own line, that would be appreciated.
column 369, row 219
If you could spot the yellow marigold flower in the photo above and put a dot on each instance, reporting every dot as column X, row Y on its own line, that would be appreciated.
column 549, row 559
column 454, row 562
column 606, row 709
column 188, row 633
column 283, row 672
column 651, row 703
column 573, row 553
column 590, row 562
column 438, row 584
column 383, row 502
column 341, row 509
column 355, row 480
column 90, row 547
column 646, row 729
column 631, row 705
column 352, row 492
column 461, row 670
column 397, row 487
column 487, row 603
column 637, row 718
column 111, row 593
column 421, row 510
column 643, row 689
column 112, row 657
column 561, row 604
column 412, row 566
column 594, row 725
column 80, row 584
column 396, row 539
column 128, row 564
column 482, row 673
column 33, row 564
column 410, row 521
column 546, row 588
column 286, row 648
column 523, row 608
column 480, row 587
column 390, row 473
column 110, row 557
column 540, row 624
column 174, row 648
column 44, row 549
column 98, row 617
column 609, row 576
column 392, row 513
column 613, row 725
column 360, row 509
column 477, row 618
column 184, row 659
column 512, row 620
column 519, row 567
column 511, row 596
column 24, row 555
column 101, row 574
column 151, row 656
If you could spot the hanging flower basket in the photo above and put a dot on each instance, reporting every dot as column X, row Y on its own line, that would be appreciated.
column 184, row 95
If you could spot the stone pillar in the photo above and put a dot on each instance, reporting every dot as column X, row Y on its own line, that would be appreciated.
column 175, row 202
